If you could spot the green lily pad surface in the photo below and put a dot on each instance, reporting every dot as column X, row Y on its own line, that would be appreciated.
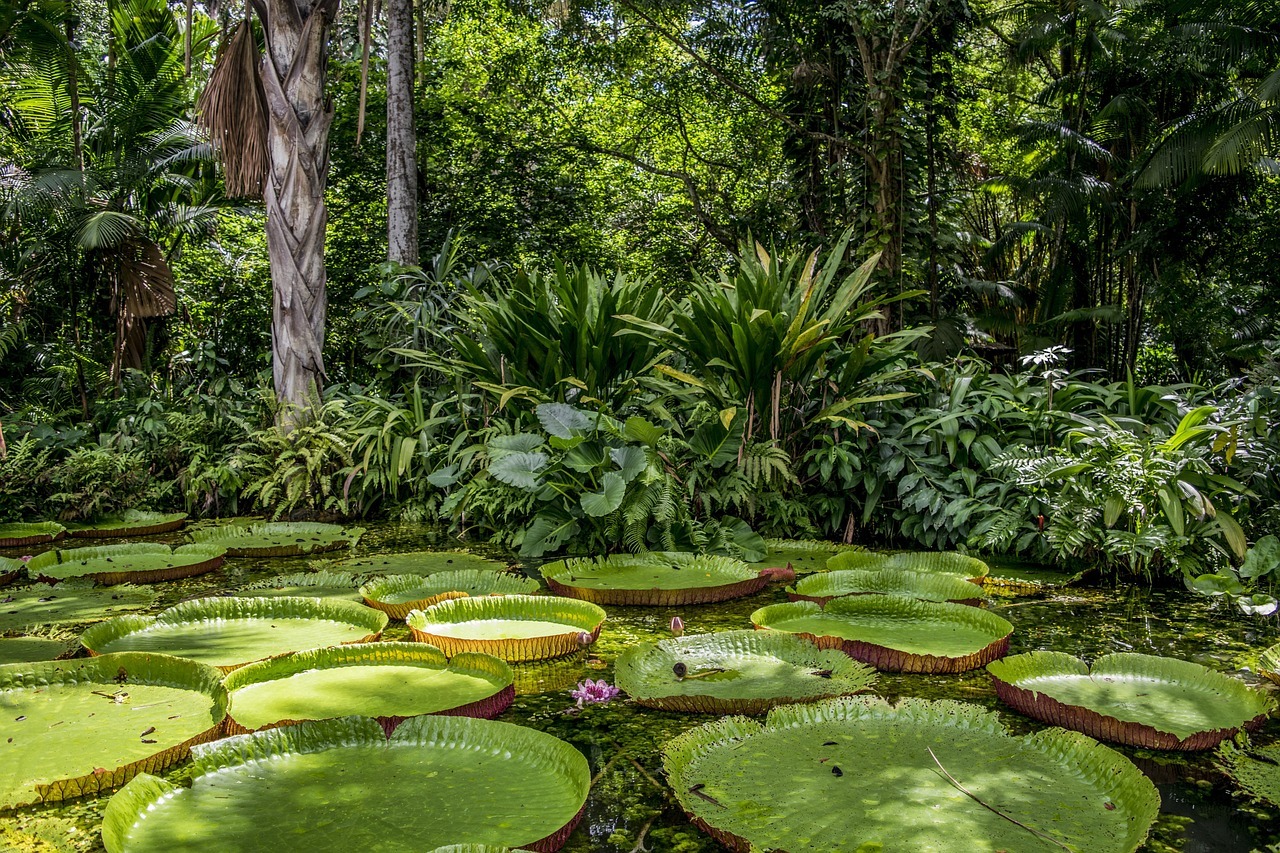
column 896, row 634
column 736, row 672
column 388, row 681
column 20, row 534
column 512, row 627
column 342, row 786
column 339, row 585
column 421, row 563
column 131, row 522
column 230, row 632
column 74, row 602
column 11, row 570
column 81, row 726
column 942, row 562
column 803, row 555
column 1255, row 769
column 1012, row 581
column 28, row 649
column 1142, row 700
column 396, row 595
column 857, row 774
column 1269, row 663
column 278, row 538
column 127, row 563
column 661, row 579
column 926, row 586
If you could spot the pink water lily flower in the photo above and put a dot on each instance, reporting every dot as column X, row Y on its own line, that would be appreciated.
column 594, row 692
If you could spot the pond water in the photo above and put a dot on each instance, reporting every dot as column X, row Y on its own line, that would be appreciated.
column 631, row 811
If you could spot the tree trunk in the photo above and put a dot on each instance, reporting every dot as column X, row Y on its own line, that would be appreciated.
column 402, row 169
column 293, row 77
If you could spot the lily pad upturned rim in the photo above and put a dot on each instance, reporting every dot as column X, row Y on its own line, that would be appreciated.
column 445, row 585
column 22, row 533
column 421, row 655
column 1108, row 770
column 586, row 617
column 146, row 791
column 638, row 665
column 1009, row 674
column 11, row 570
column 227, row 607
column 393, row 564
column 227, row 535
column 337, row 580
column 943, row 562
column 821, row 587
column 131, row 522
column 886, row 658
column 817, row 547
column 1269, row 663
column 739, row 579
column 186, row 561
column 141, row 667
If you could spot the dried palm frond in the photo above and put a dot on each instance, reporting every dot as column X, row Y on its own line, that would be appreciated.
column 233, row 110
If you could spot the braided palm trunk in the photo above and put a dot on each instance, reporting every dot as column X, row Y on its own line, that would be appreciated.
column 298, row 121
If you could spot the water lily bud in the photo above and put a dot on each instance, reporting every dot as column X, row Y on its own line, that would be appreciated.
column 584, row 639
column 677, row 626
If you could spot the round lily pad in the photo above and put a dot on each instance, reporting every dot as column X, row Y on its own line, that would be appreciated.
column 230, row 632
column 896, row 634
column 131, row 522
column 926, row 586
column 1269, row 663
column 390, row 682
column 660, row 579
column 1141, row 700
column 342, row 785
column 340, row 585
column 943, row 562
column 73, row 602
column 512, row 627
column 802, row 555
column 127, row 563
column 81, row 726
column 21, row 534
column 29, row 649
column 278, row 538
column 421, row 563
column 1016, row 581
column 11, row 570
column 857, row 774
column 736, row 672
column 396, row 595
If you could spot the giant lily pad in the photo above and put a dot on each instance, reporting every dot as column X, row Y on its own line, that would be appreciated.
column 944, row 562
column 895, row 634
column 388, row 681
column 512, row 627
column 21, row 534
column 127, row 563
column 1269, row 663
column 131, row 522
column 662, row 579
column 74, row 602
column 29, row 649
column 421, row 563
column 803, row 555
column 1141, row 700
column 11, row 570
column 230, row 632
column 278, row 538
column 81, row 726
column 396, row 595
column 926, row 586
column 856, row 774
column 736, row 672
column 1255, row 769
column 342, row 785
column 340, row 585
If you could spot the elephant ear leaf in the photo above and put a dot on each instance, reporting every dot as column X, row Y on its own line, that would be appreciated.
column 608, row 499
column 717, row 442
column 631, row 462
column 561, row 419
column 1262, row 559
column 519, row 469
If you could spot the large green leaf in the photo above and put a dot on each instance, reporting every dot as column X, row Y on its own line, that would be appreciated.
column 512, row 627
column 612, row 490
column 127, row 563
column 519, row 469
column 68, row 603
column 28, row 649
column 802, row 555
column 278, row 538
column 339, row 585
column 944, row 562
column 927, row 586
column 230, row 632
column 20, row 534
column 11, row 570
column 388, row 681
column 341, row 785
column 718, row 443
column 857, row 774
column 736, row 672
column 131, row 522
column 1142, row 700
column 659, row 578
column 1269, row 663
column 81, row 726
column 894, row 633
column 396, row 595
column 563, row 420
column 421, row 563
column 1255, row 769
column 631, row 462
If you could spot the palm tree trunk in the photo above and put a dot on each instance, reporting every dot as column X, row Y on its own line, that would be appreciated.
column 402, row 169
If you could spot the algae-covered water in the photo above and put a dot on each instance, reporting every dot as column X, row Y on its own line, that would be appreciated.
column 631, row 811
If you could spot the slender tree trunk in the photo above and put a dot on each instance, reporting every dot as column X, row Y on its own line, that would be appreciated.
column 402, row 169
column 293, row 78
